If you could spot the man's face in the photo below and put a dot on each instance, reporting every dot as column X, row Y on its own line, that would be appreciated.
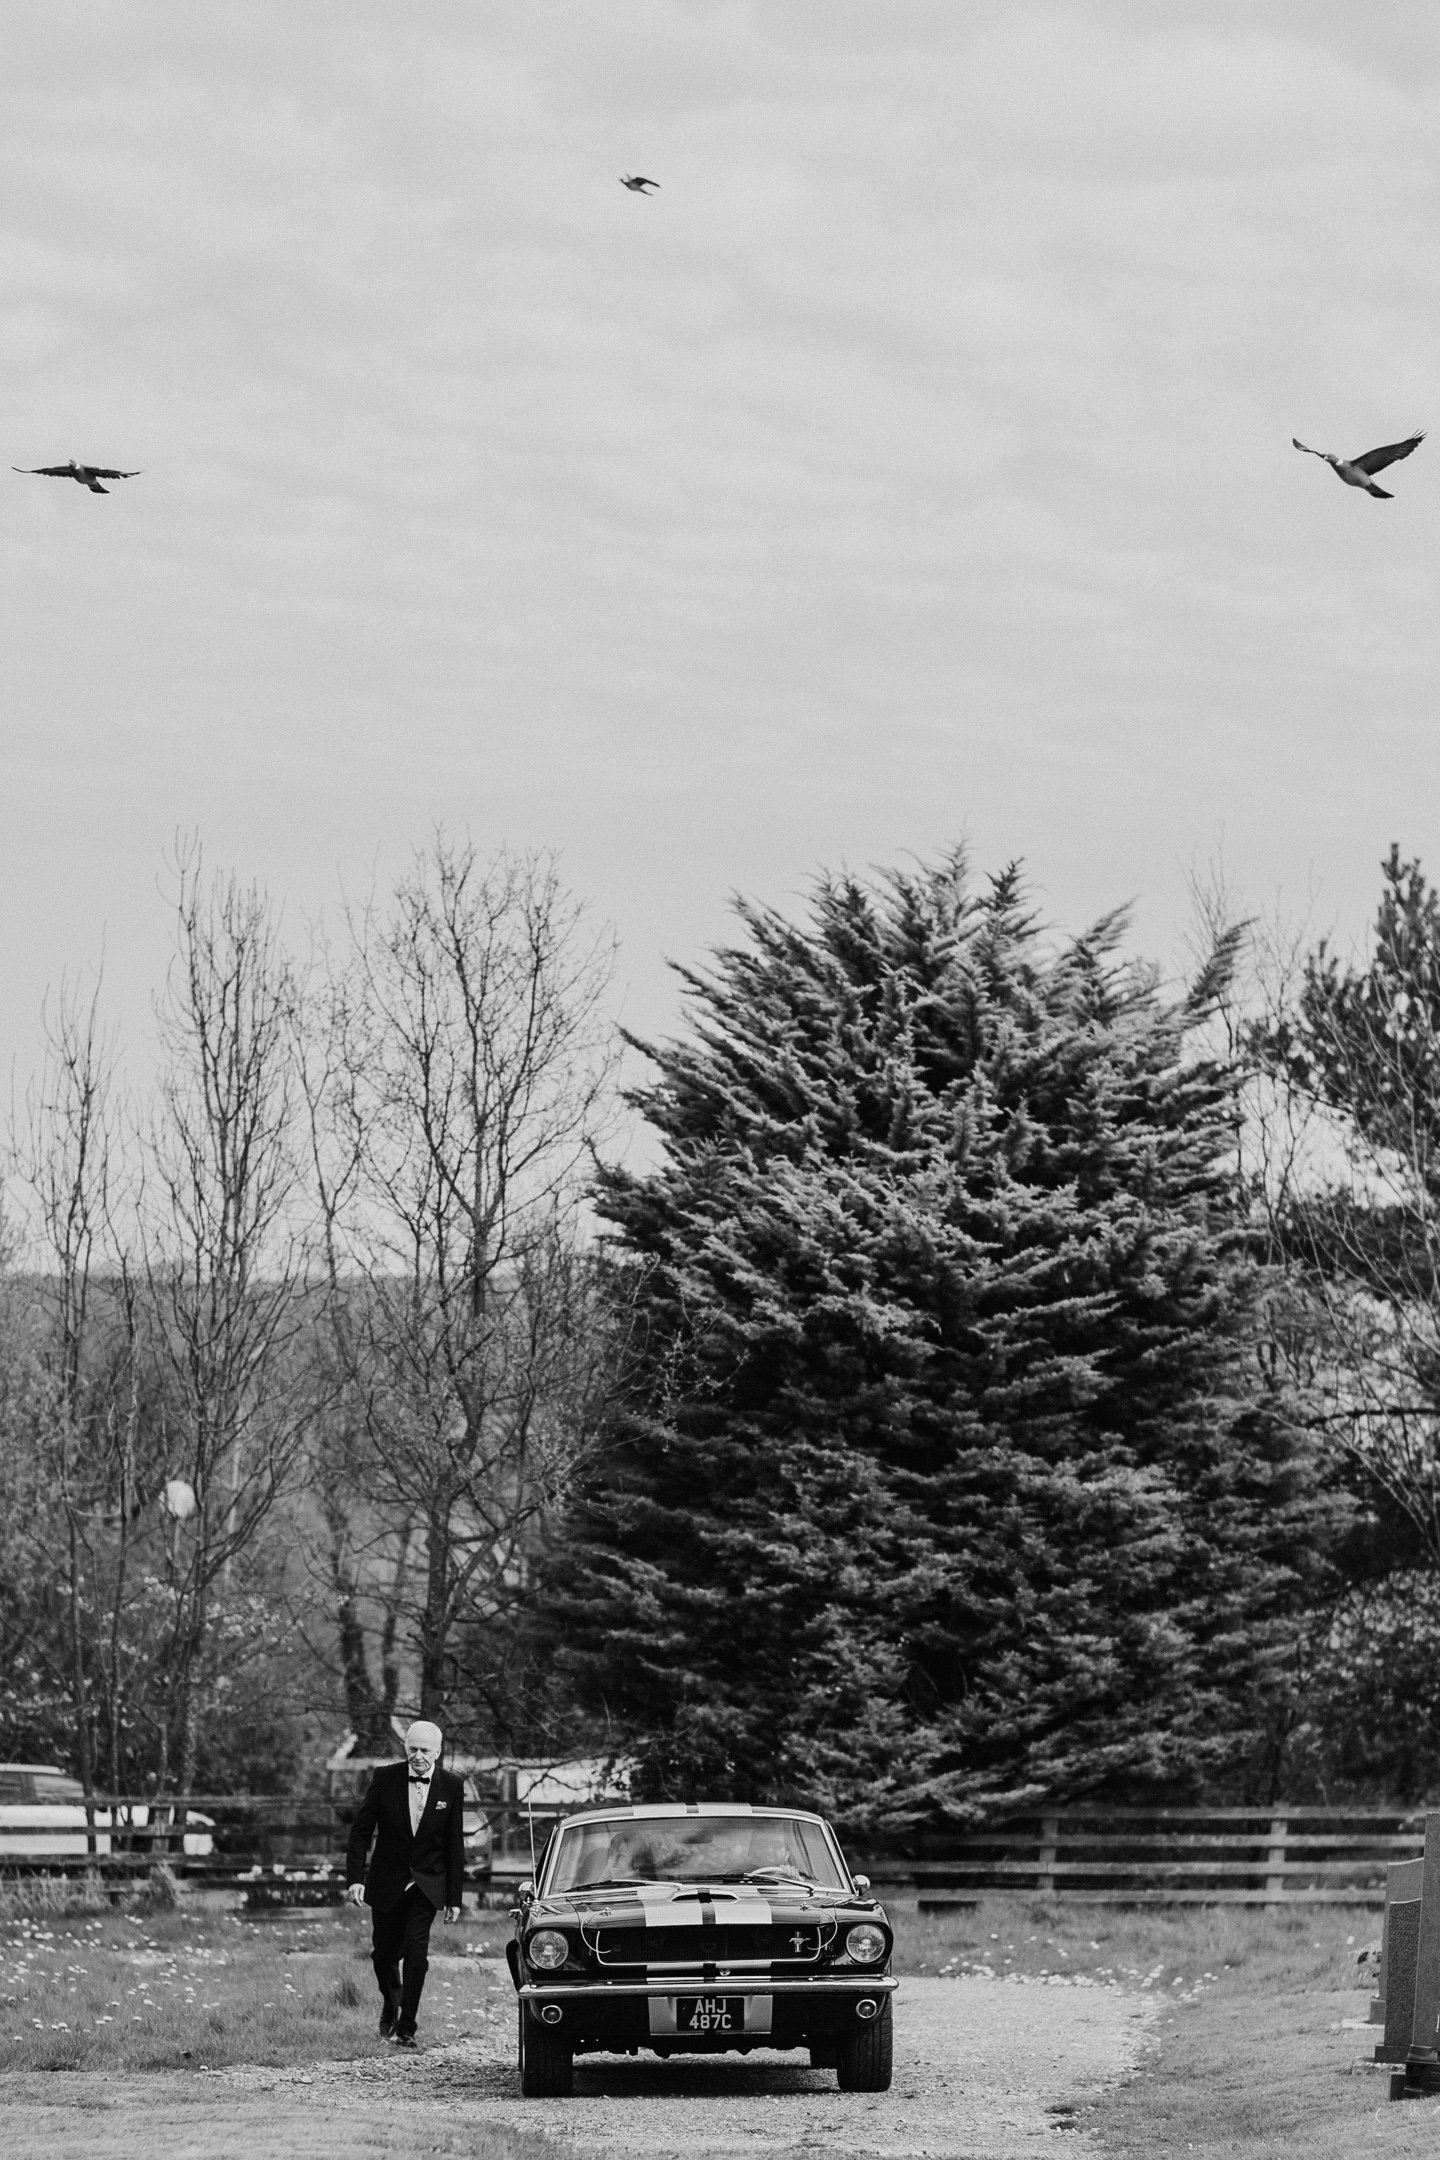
column 421, row 1759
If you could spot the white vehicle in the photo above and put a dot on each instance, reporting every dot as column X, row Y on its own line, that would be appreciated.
column 42, row 1811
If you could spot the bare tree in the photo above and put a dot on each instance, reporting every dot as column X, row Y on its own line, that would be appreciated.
column 466, row 1080
column 66, row 1159
column 91, row 1519
column 224, row 1245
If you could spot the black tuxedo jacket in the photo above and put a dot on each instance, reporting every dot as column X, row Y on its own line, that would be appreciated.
column 433, row 1857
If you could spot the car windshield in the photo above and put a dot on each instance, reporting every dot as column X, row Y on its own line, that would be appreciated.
column 694, row 1848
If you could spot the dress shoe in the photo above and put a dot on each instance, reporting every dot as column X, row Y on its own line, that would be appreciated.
column 387, row 2025
column 407, row 2040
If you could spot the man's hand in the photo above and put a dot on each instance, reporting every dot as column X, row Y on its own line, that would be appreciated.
column 355, row 1893
column 452, row 1912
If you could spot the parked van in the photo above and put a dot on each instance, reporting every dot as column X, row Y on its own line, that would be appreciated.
column 42, row 1811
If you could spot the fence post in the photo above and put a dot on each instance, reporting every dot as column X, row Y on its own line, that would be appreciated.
column 1049, row 1839
column 1402, row 1965
column 1399, row 1935
column 1275, row 1858
column 1422, row 2063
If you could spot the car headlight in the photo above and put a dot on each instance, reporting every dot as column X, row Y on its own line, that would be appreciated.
column 548, row 1948
column 866, row 1944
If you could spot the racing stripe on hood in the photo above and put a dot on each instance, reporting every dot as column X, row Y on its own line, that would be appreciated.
column 661, row 1909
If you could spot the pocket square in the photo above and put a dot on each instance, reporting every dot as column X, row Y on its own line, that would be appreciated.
column 440, row 1806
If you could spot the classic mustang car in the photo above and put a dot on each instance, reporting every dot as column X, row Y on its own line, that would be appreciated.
column 700, row 1930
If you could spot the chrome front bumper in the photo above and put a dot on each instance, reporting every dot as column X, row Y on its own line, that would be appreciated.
column 731, row 1984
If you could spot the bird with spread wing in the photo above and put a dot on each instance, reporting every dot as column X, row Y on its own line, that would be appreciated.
column 89, row 476
column 637, row 183
column 1359, row 471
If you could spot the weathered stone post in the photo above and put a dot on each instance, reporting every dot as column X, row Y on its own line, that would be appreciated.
column 1421, row 2075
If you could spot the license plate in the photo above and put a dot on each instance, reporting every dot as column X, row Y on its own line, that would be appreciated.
column 710, row 2013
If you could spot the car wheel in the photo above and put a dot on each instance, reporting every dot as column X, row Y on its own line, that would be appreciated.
column 547, row 2063
column 864, row 2057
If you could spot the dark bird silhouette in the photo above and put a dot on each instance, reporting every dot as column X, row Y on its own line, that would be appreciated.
column 88, row 475
column 1357, row 471
column 637, row 183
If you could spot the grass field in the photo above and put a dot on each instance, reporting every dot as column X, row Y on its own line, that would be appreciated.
column 194, row 1990
column 1183, row 1949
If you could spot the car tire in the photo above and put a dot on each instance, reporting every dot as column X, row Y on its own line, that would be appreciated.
column 864, row 2058
column 547, row 2063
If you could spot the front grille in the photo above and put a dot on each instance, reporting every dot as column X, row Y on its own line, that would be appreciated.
column 798, row 1944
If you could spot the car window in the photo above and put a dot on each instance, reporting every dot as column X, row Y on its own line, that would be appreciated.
column 14, row 1785
column 692, row 1848
column 50, row 1789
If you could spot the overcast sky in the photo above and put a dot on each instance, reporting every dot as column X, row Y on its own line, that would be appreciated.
column 915, row 465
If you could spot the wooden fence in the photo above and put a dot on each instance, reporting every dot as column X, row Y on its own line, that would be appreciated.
column 276, row 1850
column 1168, row 1856
column 289, row 1851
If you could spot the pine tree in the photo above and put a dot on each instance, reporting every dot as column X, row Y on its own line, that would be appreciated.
column 1356, row 1061
column 945, row 1484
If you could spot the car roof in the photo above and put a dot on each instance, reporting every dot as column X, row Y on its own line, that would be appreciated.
column 672, row 1811
column 53, row 1769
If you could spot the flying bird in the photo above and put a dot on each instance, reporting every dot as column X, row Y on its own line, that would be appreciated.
column 1357, row 471
column 88, row 475
column 637, row 183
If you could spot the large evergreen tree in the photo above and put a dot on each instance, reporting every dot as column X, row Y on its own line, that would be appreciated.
column 948, row 1481
column 1353, row 1062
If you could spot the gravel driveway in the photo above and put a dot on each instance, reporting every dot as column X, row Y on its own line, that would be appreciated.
column 979, row 2065
column 983, row 2068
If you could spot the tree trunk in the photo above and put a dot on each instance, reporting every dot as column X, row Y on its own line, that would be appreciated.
column 79, row 1688
column 363, row 1706
column 389, row 1634
column 435, row 1624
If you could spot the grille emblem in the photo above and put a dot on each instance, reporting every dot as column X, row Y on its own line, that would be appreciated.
column 798, row 1942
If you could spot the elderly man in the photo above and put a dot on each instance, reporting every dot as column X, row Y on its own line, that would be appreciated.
column 415, row 1811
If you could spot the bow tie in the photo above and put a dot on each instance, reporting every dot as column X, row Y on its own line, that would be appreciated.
column 419, row 1780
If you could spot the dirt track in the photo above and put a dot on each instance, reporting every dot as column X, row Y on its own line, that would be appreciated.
column 982, row 2067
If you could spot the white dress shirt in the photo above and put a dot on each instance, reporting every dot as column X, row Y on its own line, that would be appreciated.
column 419, row 1794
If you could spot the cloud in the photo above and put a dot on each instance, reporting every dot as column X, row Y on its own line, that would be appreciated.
column 917, row 459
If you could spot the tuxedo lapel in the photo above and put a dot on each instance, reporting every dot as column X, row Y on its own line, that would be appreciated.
column 402, row 1805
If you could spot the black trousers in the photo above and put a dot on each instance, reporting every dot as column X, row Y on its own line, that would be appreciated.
column 400, row 1936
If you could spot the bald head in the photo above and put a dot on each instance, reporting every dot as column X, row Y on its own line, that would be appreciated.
column 422, row 1749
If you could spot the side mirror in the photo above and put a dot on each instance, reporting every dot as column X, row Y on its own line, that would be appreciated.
column 525, row 1891
column 862, row 1884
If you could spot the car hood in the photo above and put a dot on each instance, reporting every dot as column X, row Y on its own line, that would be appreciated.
column 664, row 1905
